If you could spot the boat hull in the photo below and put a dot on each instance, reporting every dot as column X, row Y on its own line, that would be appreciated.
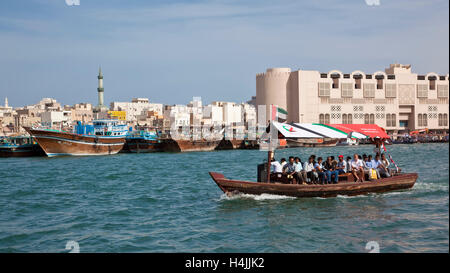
column 398, row 182
column 176, row 146
column 22, row 151
column 55, row 143
column 140, row 146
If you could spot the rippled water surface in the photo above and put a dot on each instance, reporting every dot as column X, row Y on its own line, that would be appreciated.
column 166, row 202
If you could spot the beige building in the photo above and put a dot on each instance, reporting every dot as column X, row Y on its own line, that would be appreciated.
column 396, row 99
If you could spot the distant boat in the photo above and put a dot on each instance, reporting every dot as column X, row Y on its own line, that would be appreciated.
column 348, row 142
column 313, row 142
column 141, row 141
column 19, row 146
column 103, row 137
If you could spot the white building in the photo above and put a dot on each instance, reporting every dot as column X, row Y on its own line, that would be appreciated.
column 56, row 119
column 137, row 106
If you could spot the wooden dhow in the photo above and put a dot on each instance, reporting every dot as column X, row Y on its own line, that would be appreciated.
column 104, row 137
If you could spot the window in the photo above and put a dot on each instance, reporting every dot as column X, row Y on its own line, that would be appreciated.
column 369, row 90
column 424, row 120
column 440, row 120
column 422, row 91
column 372, row 119
column 346, row 90
column 442, row 91
column 379, row 81
column 445, row 120
column 327, row 119
column 357, row 78
column 366, row 119
column 321, row 118
column 391, row 90
column 419, row 120
column 388, row 120
column 324, row 89
column 344, row 119
column 350, row 121
column 432, row 83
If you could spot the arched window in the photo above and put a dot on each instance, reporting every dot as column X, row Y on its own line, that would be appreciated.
column 350, row 119
column 372, row 119
column 419, row 120
column 393, row 120
column 366, row 119
column 321, row 118
column 327, row 119
column 424, row 120
column 440, row 120
column 388, row 120
column 344, row 119
column 445, row 121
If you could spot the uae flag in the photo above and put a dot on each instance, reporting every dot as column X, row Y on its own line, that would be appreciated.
column 279, row 114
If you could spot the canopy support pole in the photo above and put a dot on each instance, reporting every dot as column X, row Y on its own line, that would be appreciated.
column 269, row 159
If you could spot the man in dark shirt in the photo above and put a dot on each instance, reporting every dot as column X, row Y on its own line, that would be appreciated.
column 330, row 170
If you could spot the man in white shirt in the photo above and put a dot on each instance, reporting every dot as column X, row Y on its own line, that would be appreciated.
column 275, row 166
column 382, row 170
column 311, row 174
column 357, row 168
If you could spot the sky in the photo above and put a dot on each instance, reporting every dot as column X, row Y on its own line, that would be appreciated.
column 170, row 51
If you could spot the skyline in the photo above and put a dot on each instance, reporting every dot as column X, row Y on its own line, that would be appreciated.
column 170, row 51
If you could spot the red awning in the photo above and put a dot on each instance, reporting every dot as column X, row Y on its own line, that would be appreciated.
column 370, row 130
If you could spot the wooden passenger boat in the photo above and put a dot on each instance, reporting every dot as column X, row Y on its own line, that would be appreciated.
column 398, row 182
column 105, row 137
column 346, row 185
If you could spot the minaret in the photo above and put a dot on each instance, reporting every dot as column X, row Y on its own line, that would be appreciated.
column 100, row 88
column 6, row 102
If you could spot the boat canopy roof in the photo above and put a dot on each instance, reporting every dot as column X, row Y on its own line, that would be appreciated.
column 318, row 130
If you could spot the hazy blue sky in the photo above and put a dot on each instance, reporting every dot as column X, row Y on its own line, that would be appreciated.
column 170, row 51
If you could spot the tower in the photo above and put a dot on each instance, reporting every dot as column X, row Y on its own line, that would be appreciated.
column 100, row 87
column 6, row 102
column 100, row 106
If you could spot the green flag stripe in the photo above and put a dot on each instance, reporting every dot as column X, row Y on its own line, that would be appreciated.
column 281, row 110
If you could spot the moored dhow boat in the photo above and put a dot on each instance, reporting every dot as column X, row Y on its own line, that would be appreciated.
column 141, row 141
column 103, row 137
column 19, row 146
column 269, row 184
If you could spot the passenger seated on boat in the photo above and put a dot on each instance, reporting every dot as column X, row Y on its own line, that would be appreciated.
column 320, row 172
column 341, row 165
column 357, row 168
column 311, row 173
column 386, row 164
column 330, row 171
column 301, row 174
column 283, row 162
column 373, row 165
column 382, row 170
column 289, row 170
column 275, row 166
column 349, row 164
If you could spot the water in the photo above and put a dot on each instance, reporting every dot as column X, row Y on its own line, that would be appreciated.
column 168, row 203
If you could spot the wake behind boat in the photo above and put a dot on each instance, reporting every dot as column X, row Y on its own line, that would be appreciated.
column 103, row 137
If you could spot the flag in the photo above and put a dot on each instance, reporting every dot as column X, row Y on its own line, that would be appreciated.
column 279, row 114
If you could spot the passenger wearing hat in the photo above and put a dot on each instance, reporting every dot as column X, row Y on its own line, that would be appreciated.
column 341, row 166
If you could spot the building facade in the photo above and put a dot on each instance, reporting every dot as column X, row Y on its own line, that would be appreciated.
column 396, row 99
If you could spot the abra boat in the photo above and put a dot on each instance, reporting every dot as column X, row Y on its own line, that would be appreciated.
column 103, row 137
column 345, row 186
column 141, row 141
column 19, row 146
column 188, row 145
column 397, row 182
